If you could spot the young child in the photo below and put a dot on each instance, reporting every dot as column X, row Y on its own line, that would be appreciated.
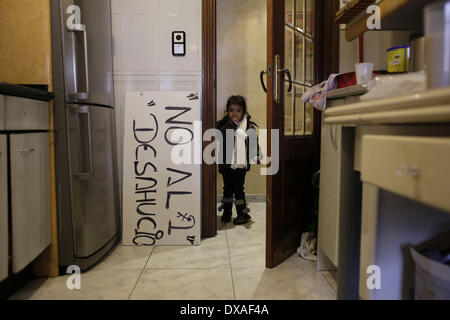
column 235, row 165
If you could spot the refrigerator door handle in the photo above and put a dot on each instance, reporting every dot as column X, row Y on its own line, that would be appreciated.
column 86, row 157
column 82, row 95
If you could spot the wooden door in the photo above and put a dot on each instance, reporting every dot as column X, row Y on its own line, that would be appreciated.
column 295, row 58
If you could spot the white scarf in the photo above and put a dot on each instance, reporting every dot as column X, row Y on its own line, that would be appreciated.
column 239, row 159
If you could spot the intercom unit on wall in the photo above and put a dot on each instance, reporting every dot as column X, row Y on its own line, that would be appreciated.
column 178, row 43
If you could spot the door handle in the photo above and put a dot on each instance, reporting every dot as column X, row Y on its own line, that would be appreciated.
column 278, row 77
column 288, row 73
column 85, row 170
column 82, row 95
column 261, row 78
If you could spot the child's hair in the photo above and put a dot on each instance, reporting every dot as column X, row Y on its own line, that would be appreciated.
column 239, row 101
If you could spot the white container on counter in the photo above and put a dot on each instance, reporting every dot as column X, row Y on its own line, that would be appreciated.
column 437, row 34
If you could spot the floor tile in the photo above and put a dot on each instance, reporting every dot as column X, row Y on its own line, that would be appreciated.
column 296, row 261
column 212, row 253
column 331, row 277
column 184, row 284
column 280, row 284
column 95, row 285
column 126, row 257
column 247, row 243
column 247, row 254
column 228, row 266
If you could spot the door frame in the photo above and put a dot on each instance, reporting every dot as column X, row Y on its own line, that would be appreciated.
column 326, row 62
column 209, row 116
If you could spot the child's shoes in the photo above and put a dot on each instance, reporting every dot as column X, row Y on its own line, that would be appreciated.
column 227, row 205
column 242, row 218
column 242, row 212
column 226, row 217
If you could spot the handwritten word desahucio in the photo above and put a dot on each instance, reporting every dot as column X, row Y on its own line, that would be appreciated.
column 146, row 183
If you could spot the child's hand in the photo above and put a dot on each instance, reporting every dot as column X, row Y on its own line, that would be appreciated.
column 229, row 125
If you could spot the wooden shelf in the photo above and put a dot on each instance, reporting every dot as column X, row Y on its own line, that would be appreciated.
column 351, row 10
column 395, row 15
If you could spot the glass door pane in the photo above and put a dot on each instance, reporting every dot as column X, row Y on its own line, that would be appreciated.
column 300, row 14
column 309, row 17
column 299, row 60
column 299, row 57
column 309, row 119
column 288, row 9
column 309, row 57
column 288, row 48
column 299, row 111
column 288, row 111
column 289, row 63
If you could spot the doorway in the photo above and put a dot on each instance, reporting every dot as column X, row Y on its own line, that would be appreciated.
column 241, row 34
column 283, row 237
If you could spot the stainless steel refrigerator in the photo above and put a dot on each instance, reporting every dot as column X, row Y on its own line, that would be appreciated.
column 86, row 159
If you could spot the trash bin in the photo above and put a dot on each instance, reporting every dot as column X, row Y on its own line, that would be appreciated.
column 432, row 269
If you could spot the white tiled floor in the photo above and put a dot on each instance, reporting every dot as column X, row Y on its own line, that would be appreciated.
column 229, row 266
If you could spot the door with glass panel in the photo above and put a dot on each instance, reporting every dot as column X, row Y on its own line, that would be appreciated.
column 290, row 72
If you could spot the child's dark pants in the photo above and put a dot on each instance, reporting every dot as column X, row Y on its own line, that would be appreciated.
column 233, row 180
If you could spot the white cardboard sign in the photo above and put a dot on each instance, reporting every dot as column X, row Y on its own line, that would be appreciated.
column 161, row 194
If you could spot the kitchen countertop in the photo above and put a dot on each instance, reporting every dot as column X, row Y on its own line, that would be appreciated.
column 431, row 106
column 25, row 92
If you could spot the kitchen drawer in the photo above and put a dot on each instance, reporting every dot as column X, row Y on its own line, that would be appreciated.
column 415, row 167
column 30, row 196
column 3, row 207
column 25, row 114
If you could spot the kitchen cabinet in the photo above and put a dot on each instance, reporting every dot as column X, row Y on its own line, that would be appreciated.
column 414, row 167
column 401, row 149
column 30, row 197
column 3, row 207
column 24, row 176
column 330, row 156
column 333, row 186
column 25, row 114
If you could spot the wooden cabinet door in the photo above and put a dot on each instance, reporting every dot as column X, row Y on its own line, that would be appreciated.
column 3, row 208
column 30, row 196
column 330, row 160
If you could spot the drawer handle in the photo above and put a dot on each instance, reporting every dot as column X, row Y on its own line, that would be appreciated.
column 27, row 150
column 412, row 171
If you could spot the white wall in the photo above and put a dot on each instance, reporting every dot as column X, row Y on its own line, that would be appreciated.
column 241, row 55
column 376, row 44
column 142, row 49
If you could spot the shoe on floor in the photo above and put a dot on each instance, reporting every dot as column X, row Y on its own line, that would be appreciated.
column 242, row 219
column 227, row 205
